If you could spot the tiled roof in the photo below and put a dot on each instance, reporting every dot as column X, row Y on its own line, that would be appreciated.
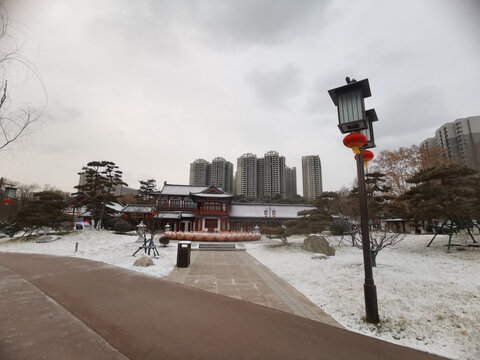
column 203, row 195
column 115, row 206
column 283, row 211
column 137, row 208
column 168, row 215
column 170, row 189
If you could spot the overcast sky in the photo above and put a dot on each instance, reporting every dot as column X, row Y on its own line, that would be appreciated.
column 153, row 85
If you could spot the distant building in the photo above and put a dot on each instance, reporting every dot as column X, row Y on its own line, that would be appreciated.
column 218, row 173
column 460, row 140
column 121, row 190
column 246, row 176
column 429, row 143
column 273, row 169
column 260, row 177
column 221, row 174
column 312, row 177
column 290, row 181
column 255, row 177
column 200, row 172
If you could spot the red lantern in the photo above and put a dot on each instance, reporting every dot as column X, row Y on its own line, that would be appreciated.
column 146, row 216
column 125, row 216
column 154, row 212
column 367, row 156
column 7, row 201
column 355, row 141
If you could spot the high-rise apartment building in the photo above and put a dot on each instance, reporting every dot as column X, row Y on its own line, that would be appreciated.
column 218, row 173
column 290, row 181
column 312, row 177
column 460, row 140
column 260, row 177
column 255, row 177
column 200, row 172
column 221, row 174
column 246, row 175
column 273, row 175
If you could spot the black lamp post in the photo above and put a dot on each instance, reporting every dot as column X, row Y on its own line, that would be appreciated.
column 352, row 117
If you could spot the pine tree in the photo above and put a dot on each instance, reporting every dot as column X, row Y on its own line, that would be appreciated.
column 310, row 221
column 47, row 208
column 443, row 192
column 147, row 188
column 101, row 179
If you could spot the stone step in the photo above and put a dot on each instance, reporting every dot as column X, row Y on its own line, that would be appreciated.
column 217, row 247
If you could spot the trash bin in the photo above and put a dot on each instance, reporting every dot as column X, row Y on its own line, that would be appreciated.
column 183, row 253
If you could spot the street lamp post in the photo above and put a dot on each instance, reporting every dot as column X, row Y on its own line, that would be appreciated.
column 352, row 117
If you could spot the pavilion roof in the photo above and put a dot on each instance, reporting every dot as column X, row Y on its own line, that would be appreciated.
column 171, row 189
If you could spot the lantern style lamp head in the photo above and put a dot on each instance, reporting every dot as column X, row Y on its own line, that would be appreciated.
column 9, row 192
column 368, row 132
column 350, row 103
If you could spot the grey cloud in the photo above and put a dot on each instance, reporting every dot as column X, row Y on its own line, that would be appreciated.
column 63, row 113
column 275, row 88
column 263, row 22
column 152, row 24
column 411, row 117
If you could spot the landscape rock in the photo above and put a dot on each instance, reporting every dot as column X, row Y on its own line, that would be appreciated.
column 143, row 261
column 318, row 256
column 318, row 244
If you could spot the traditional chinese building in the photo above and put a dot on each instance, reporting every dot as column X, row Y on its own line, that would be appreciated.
column 209, row 208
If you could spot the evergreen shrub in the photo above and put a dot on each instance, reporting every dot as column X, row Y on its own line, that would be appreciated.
column 121, row 227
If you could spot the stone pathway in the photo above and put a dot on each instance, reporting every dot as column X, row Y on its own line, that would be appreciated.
column 239, row 275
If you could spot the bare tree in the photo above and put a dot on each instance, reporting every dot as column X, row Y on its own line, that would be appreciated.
column 401, row 164
column 14, row 120
column 379, row 240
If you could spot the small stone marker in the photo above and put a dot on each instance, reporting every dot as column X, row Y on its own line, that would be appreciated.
column 143, row 261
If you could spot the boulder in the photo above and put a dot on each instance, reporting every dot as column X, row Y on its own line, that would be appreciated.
column 318, row 244
column 318, row 256
column 143, row 261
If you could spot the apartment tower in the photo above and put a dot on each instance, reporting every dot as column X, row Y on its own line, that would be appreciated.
column 246, row 175
column 460, row 139
column 312, row 177
column 221, row 174
column 200, row 172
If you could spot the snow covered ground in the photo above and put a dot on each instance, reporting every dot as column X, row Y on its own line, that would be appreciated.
column 428, row 299
column 100, row 245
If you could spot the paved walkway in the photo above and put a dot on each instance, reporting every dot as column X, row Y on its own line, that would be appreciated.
column 239, row 275
column 56, row 308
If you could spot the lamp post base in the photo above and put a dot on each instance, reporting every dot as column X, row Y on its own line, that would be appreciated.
column 371, row 307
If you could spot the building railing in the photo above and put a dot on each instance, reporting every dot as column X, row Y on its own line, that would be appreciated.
column 210, row 212
column 175, row 207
